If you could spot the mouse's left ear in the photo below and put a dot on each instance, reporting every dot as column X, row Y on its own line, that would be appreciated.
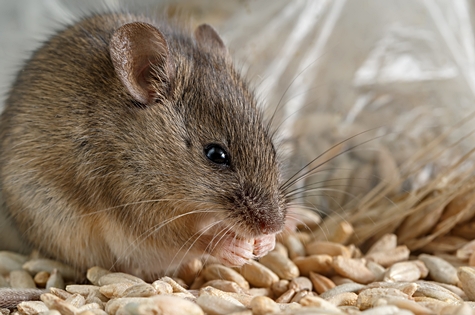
column 140, row 56
column 207, row 38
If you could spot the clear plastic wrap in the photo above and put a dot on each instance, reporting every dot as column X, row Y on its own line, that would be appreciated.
column 392, row 74
column 395, row 75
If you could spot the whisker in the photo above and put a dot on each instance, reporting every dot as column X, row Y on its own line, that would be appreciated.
column 198, row 234
column 143, row 236
column 293, row 179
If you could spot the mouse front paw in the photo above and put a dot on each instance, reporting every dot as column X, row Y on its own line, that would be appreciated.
column 264, row 244
column 234, row 252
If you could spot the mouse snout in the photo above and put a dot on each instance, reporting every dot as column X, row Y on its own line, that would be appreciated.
column 266, row 218
column 273, row 227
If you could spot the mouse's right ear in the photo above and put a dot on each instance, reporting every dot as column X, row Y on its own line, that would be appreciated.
column 139, row 53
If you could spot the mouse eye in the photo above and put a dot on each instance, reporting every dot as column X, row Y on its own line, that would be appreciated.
column 216, row 154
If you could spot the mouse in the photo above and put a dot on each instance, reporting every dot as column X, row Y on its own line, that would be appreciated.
column 134, row 143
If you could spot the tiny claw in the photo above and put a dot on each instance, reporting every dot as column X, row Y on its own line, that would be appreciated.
column 264, row 244
column 233, row 251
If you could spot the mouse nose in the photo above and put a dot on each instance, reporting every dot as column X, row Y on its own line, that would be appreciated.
column 270, row 225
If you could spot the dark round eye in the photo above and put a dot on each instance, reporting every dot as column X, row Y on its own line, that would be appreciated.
column 216, row 154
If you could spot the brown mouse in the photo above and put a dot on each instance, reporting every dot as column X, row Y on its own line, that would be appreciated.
column 134, row 144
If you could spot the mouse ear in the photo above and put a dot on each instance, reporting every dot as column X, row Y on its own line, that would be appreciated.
column 207, row 37
column 139, row 53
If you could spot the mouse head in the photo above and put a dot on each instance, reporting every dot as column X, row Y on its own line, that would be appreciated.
column 203, row 150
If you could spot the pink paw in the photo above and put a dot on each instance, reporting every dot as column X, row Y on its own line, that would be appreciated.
column 232, row 251
column 264, row 244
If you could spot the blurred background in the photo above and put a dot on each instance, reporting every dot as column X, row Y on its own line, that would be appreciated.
column 393, row 74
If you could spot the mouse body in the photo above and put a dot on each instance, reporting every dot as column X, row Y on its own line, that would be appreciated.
column 134, row 144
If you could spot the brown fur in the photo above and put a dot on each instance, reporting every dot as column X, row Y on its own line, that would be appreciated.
column 88, row 172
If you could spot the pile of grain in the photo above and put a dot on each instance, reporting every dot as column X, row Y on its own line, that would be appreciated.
column 303, row 275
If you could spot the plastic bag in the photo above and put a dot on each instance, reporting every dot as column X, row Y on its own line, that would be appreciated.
column 383, row 77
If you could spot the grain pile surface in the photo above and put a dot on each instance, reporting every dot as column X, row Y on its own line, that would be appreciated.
column 305, row 274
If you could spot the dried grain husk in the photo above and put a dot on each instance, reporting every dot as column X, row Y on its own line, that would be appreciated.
column 31, row 307
column 21, row 279
column 377, row 270
column 467, row 281
column 353, row 269
column 189, row 270
column 439, row 269
column 114, row 290
column 455, row 289
column 346, row 287
column 262, row 305
column 160, row 304
column 214, row 305
column 385, row 310
column 174, row 284
column 390, row 257
column 86, row 291
column 55, row 303
column 286, row 297
column 321, row 283
column 95, row 273
column 281, row 265
column 41, row 278
column 258, row 275
column 433, row 304
column 408, row 288
column 94, row 311
column 463, row 202
column 294, row 246
column 406, row 304
column 314, row 263
column 90, row 307
column 344, row 299
column 463, row 309
column 76, row 300
column 445, row 243
column 260, row 292
column 464, row 252
column 10, row 261
column 140, row 290
column 298, row 296
column 310, row 300
column 465, row 230
column 280, row 248
column 279, row 287
column 339, row 280
column 386, row 243
column 224, row 285
column 342, row 234
column 435, row 291
column 215, row 271
column 55, row 280
column 118, row 277
column 34, row 266
column 369, row 297
column 403, row 271
column 242, row 298
column 301, row 283
column 306, row 219
column 62, row 294
column 327, row 248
